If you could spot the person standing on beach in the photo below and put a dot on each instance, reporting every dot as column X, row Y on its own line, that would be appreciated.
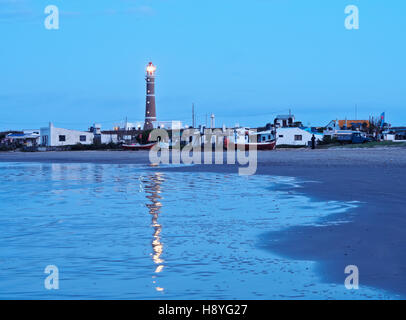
column 313, row 142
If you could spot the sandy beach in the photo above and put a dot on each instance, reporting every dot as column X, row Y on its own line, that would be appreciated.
column 374, row 238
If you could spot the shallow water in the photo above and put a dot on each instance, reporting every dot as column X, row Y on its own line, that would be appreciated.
column 128, row 232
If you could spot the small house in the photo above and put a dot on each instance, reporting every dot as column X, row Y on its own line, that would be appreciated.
column 58, row 137
column 395, row 134
column 296, row 136
column 28, row 138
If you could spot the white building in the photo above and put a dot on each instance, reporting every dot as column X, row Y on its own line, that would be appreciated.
column 168, row 125
column 128, row 126
column 395, row 134
column 103, row 137
column 332, row 128
column 57, row 137
column 296, row 136
column 107, row 138
column 139, row 125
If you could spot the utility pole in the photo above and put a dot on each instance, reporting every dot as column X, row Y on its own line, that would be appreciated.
column 193, row 115
column 356, row 112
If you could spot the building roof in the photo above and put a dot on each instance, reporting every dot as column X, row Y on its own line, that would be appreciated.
column 396, row 130
column 341, row 123
column 307, row 129
column 23, row 136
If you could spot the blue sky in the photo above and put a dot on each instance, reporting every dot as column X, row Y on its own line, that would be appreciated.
column 244, row 61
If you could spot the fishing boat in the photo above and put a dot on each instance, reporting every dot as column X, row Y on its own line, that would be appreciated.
column 263, row 146
column 265, row 140
column 137, row 146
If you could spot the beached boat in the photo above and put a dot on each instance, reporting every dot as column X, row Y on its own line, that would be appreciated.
column 270, row 145
column 265, row 140
column 137, row 146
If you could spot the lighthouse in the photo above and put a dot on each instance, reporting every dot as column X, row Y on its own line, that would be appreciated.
column 150, row 107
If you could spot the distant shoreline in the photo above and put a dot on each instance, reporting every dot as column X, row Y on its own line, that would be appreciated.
column 280, row 156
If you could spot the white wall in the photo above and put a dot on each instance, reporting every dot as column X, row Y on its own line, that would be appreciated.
column 392, row 137
column 389, row 137
column 168, row 125
column 286, row 136
column 109, row 138
column 44, row 133
column 72, row 137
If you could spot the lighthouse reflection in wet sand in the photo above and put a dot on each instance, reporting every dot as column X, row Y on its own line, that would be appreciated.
column 150, row 108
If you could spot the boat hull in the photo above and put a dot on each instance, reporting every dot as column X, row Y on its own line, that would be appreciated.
column 137, row 147
column 262, row 146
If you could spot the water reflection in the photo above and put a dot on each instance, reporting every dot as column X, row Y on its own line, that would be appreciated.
column 153, row 191
column 214, row 251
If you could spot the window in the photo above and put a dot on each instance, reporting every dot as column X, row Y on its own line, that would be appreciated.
column 298, row 137
column 82, row 138
column 62, row 138
column 281, row 136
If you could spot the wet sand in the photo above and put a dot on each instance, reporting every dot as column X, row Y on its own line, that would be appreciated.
column 374, row 239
